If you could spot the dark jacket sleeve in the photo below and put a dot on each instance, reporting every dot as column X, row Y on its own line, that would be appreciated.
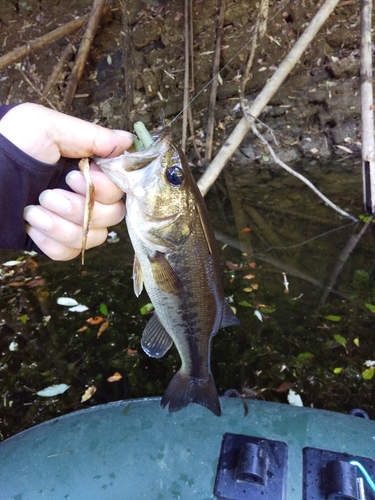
column 22, row 179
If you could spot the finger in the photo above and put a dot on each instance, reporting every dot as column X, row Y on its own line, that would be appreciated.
column 61, row 230
column 53, row 249
column 77, row 138
column 105, row 190
column 71, row 207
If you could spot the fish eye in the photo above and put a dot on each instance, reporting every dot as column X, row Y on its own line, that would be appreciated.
column 175, row 175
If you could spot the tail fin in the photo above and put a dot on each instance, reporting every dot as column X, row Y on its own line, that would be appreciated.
column 184, row 389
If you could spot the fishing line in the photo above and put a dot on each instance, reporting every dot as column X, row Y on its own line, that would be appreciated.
column 311, row 239
column 227, row 64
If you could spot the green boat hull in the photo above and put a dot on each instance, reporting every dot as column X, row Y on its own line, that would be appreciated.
column 135, row 450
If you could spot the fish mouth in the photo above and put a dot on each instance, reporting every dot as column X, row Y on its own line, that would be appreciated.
column 160, row 145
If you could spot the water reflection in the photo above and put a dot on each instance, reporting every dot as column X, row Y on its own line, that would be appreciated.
column 300, row 277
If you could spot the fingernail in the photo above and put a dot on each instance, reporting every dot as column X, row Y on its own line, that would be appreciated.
column 37, row 217
column 73, row 175
column 124, row 133
column 56, row 202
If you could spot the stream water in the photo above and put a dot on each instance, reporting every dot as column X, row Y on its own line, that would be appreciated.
column 316, row 338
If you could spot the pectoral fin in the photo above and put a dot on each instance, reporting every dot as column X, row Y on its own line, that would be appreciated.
column 137, row 277
column 228, row 318
column 164, row 275
column 155, row 339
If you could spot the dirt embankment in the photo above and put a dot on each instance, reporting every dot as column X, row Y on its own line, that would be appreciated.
column 136, row 69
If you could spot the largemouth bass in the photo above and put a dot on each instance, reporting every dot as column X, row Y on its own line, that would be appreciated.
column 177, row 261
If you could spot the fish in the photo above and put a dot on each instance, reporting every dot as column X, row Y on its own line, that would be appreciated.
column 177, row 261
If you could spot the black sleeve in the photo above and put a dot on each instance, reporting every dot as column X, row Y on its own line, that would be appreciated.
column 22, row 179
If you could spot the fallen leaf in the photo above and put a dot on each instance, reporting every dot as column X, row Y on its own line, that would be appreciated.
column 255, row 286
column 249, row 277
column 294, row 399
column 245, row 230
column 82, row 329
column 248, row 289
column 283, row 387
column 259, row 315
column 252, row 265
column 16, row 283
column 67, row 301
column 147, row 308
column 78, row 308
column 102, row 328
column 53, row 390
column 232, row 265
column 11, row 263
column 131, row 352
column 89, row 392
column 36, row 282
column 115, row 377
column 96, row 320
column 103, row 309
column 344, row 148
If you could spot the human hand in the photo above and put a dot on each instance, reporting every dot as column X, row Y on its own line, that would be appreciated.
column 56, row 224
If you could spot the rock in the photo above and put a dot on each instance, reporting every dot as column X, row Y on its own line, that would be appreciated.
column 150, row 84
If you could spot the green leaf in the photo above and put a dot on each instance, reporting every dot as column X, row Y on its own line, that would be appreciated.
column 304, row 356
column 337, row 370
column 244, row 304
column 370, row 307
column 265, row 158
column 368, row 374
column 340, row 339
column 267, row 310
column 147, row 308
column 356, row 342
column 24, row 318
column 103, row 309
column 332, row 317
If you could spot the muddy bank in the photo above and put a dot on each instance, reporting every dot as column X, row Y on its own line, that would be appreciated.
column 136, row 70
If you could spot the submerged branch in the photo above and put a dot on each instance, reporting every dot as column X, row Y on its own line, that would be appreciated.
column 343, row 257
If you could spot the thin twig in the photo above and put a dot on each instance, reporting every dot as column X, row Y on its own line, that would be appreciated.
column 277, row 160
column 43, row 97
column 57, row 69
column 186, row 79
column 215, row 71
column 83, row 52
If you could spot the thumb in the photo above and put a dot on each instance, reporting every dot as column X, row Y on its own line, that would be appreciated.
column 46, row 134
